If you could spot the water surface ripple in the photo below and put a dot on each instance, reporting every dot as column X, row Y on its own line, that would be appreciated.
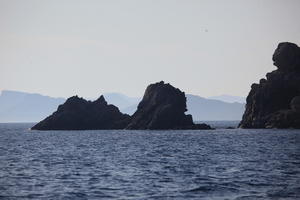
column 124, row 164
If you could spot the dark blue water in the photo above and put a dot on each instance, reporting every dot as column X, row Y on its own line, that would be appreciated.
column 219, row 164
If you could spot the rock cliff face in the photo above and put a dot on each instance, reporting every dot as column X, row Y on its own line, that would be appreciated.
column 163, row 107
column 275, row 101
column 79, row 114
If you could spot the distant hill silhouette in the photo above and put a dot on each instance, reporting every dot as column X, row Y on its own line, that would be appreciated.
column 208, row 109
column 124, row 103
column 25, row 107
column 229, row 98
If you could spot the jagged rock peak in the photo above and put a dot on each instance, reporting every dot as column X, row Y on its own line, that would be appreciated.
column 101, row 100
column 74, row 99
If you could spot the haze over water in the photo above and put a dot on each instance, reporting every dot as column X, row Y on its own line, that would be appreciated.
column 123, row 164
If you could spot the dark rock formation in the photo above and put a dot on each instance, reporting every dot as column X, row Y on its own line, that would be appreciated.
column 79, row 114
column 275, row 101
column 163, row 107
column 287, row 57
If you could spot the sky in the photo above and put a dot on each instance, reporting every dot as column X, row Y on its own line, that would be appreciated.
column 63, row 48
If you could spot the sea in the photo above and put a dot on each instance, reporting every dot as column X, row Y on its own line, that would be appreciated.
column 218, row 164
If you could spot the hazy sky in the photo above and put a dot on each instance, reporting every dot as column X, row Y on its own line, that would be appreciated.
column 62, row 48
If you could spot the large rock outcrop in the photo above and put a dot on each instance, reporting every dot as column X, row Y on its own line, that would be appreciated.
column 163, row 107
column 79, row 114
column 275, row 101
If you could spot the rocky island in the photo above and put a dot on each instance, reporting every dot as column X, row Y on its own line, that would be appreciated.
column 162, row 107
column 79, row 114
column 275, row 101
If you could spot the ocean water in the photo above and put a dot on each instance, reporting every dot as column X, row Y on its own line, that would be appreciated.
column 124, row 164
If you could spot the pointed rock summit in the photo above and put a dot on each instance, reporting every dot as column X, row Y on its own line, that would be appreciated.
column 79, row 114
column 163, row 107
column 275, row 101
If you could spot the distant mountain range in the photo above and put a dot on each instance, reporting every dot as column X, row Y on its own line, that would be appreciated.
column 229, row 98
column 203, row 109
column 26, row 107
column 124, row 103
